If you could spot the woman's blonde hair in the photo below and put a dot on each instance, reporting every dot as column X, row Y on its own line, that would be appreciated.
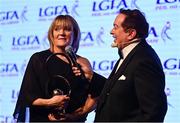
column 66, row 21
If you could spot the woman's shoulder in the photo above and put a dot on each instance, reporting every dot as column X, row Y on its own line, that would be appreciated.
column 43, row 52
column 41, row 55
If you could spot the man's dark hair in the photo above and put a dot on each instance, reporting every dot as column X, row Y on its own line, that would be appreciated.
column 135, row 20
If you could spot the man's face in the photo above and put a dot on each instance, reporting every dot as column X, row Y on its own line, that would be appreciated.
column 118, row 33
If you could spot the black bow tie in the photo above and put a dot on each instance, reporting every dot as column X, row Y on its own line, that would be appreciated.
column 120, row 53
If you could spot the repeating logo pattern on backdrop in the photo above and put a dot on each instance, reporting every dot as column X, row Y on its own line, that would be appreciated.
column 12, row 69
column 98, row 13
column 13, row 16
column 47, row 13
column 172, row 66
column 162, row 5
column 25, row 42
column 162, row 35
column 107, row 7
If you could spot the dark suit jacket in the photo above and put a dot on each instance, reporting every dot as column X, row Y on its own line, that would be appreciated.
column 141, row 96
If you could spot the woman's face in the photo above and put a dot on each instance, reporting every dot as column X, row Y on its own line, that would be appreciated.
column 62, row 37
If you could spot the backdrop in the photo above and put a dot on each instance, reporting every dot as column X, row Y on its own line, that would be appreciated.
column 23, row 31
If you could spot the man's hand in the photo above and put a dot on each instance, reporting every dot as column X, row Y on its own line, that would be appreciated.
column 85, row 66
column 89, row 106
column 59, row 100
column 75, row 116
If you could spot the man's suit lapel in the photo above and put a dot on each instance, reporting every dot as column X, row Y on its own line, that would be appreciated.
column 113, row 79
column 114, row 69
column 114, row 76
column 126, row 61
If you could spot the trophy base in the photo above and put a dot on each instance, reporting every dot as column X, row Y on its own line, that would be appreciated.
column 58, row 114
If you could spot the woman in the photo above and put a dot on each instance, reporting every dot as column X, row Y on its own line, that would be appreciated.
column 42, row 66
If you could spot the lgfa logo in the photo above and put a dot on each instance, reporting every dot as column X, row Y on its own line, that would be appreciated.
column 154, row 34
column 172, row 64
column 112, row 6
column 12, row 69
column 104, row 67
column 89, row 39
column 25, row 42
column 48, row 13
column 167, row 4
column 107, row 7
column 166, row 1
column 13, row 17
column 52, row 11
column 8, row 69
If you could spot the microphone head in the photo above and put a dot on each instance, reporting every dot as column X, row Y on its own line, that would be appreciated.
column 70, row 52
column 69, row 49
column 114, row 44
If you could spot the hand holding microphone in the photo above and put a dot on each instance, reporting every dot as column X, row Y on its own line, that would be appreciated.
column 73, row 58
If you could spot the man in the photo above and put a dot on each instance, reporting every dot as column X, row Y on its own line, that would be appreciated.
column 134, row 90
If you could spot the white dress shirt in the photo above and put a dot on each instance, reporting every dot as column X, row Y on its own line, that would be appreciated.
column 125, row 51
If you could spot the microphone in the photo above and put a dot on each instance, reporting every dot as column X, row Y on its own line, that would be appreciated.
column 73, row 57
column 114, row 44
